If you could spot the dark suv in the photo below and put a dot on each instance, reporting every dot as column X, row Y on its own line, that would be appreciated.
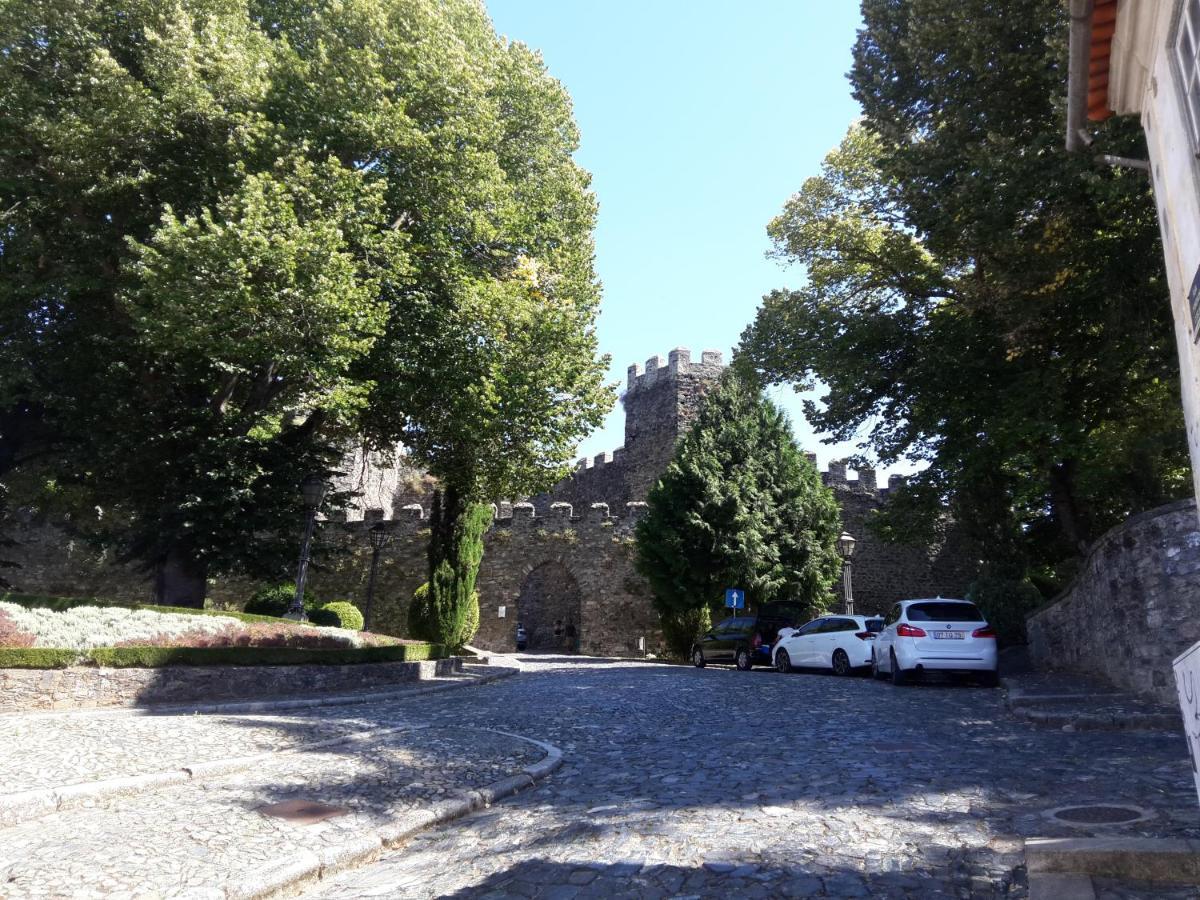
column 746, row 640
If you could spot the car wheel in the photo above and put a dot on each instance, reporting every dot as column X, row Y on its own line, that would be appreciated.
column 698, row 658
column 743, row 661
column 899, row 676
column 783, row 662
column 841, row 663
column 876, row 672
column 990, row 679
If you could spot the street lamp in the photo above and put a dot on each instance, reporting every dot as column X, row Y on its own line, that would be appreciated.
column 845, row 546
column 378, row 536
column 312, row 492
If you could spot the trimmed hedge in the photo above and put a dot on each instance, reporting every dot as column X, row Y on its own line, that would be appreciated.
column 155, row 657
column 61, row 604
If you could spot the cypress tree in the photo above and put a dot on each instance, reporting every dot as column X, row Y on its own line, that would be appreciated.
column 738, row 506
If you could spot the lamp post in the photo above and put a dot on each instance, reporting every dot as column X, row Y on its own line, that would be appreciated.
column 378, row 536
column 312, row 491
column 845, row 546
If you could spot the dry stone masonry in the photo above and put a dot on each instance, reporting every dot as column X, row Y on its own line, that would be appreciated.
column 560, row 564
column 1132, row 607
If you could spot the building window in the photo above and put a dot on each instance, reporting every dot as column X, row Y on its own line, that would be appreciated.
column 1187, row 57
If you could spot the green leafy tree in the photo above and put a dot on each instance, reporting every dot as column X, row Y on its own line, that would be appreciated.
column 234, row 234
column 738, row 506
column 445, row 609
column 977, row 299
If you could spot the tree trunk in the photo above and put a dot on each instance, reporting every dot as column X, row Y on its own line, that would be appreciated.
column 180, row 579
column 1071, row 518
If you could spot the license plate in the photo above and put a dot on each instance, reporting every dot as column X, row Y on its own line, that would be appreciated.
column 948, row 635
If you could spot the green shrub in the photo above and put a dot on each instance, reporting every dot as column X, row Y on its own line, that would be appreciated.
column 1005, row 603
column 424, row 623
column 275, row 600
column 338, row 614
column 681, row 628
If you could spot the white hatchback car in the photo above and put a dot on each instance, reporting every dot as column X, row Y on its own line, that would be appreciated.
column 841, row 643
column 935, row 635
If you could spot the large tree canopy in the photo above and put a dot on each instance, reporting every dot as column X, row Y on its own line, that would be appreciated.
column 977, row 299
column 235, row 234
column 738, row 506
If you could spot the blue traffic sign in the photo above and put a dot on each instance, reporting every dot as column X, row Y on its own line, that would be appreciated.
column 735, row 598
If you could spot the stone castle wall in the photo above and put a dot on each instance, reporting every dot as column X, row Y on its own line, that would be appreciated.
column 884, row 572
column 561, row 558
column 1133, row 607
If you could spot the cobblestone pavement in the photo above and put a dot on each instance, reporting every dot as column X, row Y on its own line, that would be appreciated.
column 43, row 750
column 686, row 782
column 196, row 839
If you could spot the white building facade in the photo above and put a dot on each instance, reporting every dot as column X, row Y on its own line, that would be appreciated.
column 1143, row 58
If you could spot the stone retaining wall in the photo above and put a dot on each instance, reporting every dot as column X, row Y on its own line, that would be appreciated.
column 1133, row 607
column 23, row 690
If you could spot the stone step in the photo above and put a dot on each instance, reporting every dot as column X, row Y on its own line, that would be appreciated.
column 252, row 833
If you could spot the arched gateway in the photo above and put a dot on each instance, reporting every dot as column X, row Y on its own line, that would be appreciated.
column 550, row 609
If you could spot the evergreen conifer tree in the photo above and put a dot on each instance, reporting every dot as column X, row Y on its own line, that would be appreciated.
column 738, row 506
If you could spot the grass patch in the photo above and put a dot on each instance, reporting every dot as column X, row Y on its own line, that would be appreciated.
column 157, row 657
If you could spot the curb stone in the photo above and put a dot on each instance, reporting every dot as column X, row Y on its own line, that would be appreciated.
column 33, row 804
column 306, row 867
column 1170, row 860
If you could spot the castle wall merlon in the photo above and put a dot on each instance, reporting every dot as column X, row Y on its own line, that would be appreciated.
column 602, row 459
column 522, row 516
column 680, row 357
column 836, row 473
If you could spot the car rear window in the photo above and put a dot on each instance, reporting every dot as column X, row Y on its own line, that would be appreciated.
column 739, row 624
column 944, row 612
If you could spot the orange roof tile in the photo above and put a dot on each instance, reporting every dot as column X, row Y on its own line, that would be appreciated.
column 1104, row 24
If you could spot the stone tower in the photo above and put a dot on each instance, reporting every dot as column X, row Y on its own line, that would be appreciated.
column 661, row 402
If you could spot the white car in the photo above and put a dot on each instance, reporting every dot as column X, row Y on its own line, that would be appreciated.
column 935, row 635
column 841, row 643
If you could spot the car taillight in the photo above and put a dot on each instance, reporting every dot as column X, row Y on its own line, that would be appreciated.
column 865, row 635
column 757, row 641
column 906, row 630
column 984, row 632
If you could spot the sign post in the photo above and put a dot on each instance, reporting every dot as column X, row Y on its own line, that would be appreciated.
column 1187, row 682
column 735, row 598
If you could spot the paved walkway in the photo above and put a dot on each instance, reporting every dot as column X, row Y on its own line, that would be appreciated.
column 685, row 782
column 677, row 782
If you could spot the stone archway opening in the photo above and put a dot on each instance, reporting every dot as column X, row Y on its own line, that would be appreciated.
column 549, row 608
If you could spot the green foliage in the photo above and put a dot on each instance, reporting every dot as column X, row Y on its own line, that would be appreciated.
column 979, row 300
column 739, row 505
column 446, row 608
column 154, row 657
column 338, row 614
column 237, row 234
column 274, row 600
column 1005, row 602
column 37, row 658
column 681, row 628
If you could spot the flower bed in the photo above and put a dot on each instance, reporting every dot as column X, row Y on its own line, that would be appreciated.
column 40, row 632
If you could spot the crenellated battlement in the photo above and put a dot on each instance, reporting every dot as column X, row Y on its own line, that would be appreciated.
column 679, row 362
column 595, row 519
column 867, row 482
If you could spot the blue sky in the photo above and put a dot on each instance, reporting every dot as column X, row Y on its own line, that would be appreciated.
column 699, row 119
